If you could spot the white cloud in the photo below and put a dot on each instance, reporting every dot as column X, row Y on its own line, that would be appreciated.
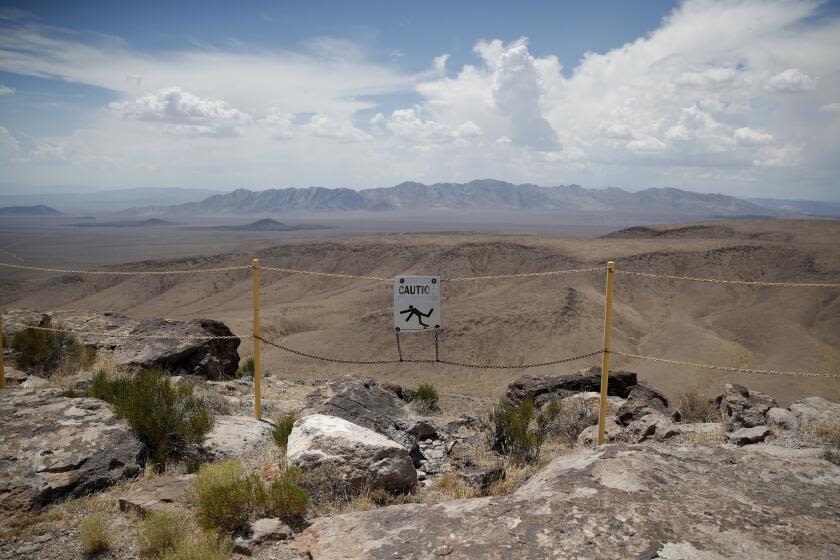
column 333, row 128
column 746, row 136
column 439, row 63
column 280, row 123
column 831, row 108
column 792, row 80
column 186, row 112
column 5, row 90
column 707, row 78
column 407, row 124
column 783, row 156
column 9, row 146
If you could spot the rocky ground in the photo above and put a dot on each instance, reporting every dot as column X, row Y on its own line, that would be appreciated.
column 753, row 480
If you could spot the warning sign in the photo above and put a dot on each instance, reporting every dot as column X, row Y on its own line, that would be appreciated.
column 416, row 303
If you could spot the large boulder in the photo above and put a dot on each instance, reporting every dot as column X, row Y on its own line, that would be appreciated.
column 181, row 355
column 816, row 411
column 616, row 502
column 53, row 447
column 360, row 456
column 364, row 403
column 541, row 388
column 742, row 408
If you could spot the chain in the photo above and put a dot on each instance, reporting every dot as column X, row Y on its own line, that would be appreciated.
column 124, row 272
column 521, row 366
column 138, row 336
column 725, row 368
column 739, row 282
column 525, row 274
column 325, row 358
column 399, row 348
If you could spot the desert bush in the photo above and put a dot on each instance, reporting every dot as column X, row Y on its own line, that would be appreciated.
column 167, row 418
column 246, row 369
column 695, row 407
column 281, row 431
column 519, row 430
column 224, row 496
column 205, row 545
column 161, row 531
column 47, row 352
column 575, row 416
column 93, row 532
column 327, row 490
column 426, row 398
column 283, row 499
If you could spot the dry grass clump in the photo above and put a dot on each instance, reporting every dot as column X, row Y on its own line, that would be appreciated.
column 201, row 545
column 161, row 531
column 718, row 436
column 425, row 399
column 574, row 417
column 695, row 407
column 26, row 523
column 93, row 532
column 449, row 487
column 282, row 430
column 828, row 433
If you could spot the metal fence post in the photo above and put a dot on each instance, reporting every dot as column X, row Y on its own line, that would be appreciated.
column 255, row 269
column 605, row 357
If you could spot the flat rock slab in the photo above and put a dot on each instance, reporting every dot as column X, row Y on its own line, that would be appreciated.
column 617, row 501
column 541, row 388
column 157, row 494
column 235, row 436
column 53, row 447
column 816, row 411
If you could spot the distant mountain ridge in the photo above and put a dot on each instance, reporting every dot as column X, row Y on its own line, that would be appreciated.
column 484, row 194
column 37, row 210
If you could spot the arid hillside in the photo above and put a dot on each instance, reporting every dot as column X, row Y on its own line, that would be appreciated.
column 511, row 321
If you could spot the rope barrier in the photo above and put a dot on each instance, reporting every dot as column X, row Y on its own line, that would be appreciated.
column 738, row 282
column 725, row 368
column 326, row 274
column 525, row 274
column 125, row 272
column 138, row 336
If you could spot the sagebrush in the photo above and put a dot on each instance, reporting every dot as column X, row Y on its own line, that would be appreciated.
column 162, row 531
column 426, row 397
column 168, row 419
column 518, row 430
column 695, row 407
column 49, row 352
column 93, row 532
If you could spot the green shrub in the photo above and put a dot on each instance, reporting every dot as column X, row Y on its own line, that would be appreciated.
column 426, row 393
column 518, row 430
column 224, row 496
column 167, row 418
column 93, row 532
column 161, row 531
column 281, row 431
column 227, row 497
column 695, row 407
column 246, row 369
column 47, row 352
column 205, row 545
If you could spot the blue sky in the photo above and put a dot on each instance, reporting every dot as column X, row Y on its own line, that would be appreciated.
column 739, row 97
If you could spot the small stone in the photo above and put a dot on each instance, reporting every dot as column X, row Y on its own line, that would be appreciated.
column 443, row 550
column 259, row 532
column 782, row 418
column 746, row 436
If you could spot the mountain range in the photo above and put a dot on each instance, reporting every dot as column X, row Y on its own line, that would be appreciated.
column 476, row 195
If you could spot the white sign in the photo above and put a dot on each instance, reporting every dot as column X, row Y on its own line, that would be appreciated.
column 416, row 303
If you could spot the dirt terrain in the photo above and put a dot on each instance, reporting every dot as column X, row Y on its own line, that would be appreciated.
column 503, row 321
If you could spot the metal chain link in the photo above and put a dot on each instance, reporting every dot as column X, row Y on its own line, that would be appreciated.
column 124, row 272
column 129, row 335
column 325, row 358
column 524, row 274
column 725, row 368
column 521, row 366
column 327, row 274
column 739, row 282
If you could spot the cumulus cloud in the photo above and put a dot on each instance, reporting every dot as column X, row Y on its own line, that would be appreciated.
column 9, row 146
column 746, row 136
column 335, row 128
column 280, row 123
column 5, row 90
column 186, row 112
column 792, row 80
column 407, row 124
column 831, row 108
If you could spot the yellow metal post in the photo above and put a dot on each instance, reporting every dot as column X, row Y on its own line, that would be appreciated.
column 255, row 267
column 2, row 370
column 605, row 357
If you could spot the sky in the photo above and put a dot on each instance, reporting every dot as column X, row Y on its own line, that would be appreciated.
column 740, row 97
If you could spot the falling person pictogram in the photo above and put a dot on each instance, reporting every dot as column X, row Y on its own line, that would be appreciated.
column 414, row 312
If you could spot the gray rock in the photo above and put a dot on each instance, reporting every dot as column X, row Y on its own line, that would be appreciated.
column 642, row 401
column 651, row 426
column 360, row 456
column 52, row 447
column 34, row 382
column 481, row 479
column 157, row 494
column 743, row 408
column 782, row 418
column 747, row 436
column 541, row 388
column 212, row 359
column 615, row 502
column 260, row 532
column 816, row 410
column 362, row 402
column 235, row 436
column 613, row 431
